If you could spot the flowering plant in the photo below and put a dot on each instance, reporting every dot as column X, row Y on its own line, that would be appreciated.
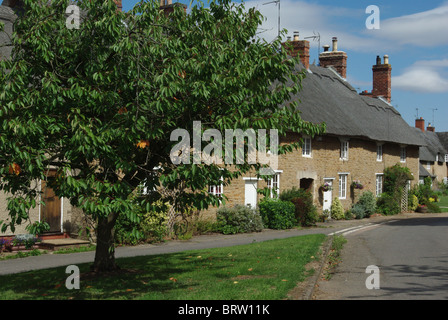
column 4, row 243
column 357, row 185
column 326, row 187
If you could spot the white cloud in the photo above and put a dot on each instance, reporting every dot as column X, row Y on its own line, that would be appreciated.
column 307, row 18
column 427, row 28
column 423, row 76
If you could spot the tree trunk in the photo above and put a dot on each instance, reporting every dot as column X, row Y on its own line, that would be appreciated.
column 105, row 247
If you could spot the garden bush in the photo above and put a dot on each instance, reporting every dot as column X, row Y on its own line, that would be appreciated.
column 368, row 201
column 434, row 208
column 145, row 227
column 305, row 211
column 387, row 205
column 337, row 211
column 412, row 202
column 294, row 193
column 365, row 207
column 358, row 211
column 238, row 219
column 277, row 214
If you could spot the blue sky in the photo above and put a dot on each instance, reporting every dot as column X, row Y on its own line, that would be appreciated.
column 413, row 33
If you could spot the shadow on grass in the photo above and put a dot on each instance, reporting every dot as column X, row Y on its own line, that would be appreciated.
column 257, row 271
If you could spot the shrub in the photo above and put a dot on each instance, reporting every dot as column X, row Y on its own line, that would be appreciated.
column 27, row 240
column 387, row 205
column 412, row 202
column 294, row 193
column 434, row 208
column 423, row 191
column 278, row 214
column 305, row 211
column 238, row 219
column 368, row 201
column 145, row 227
column 395, row 178
column 359, row 211
column 337, row 211
column 348, row 215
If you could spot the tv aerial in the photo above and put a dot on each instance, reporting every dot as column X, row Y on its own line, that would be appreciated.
column 276, row 2
column 316, row 37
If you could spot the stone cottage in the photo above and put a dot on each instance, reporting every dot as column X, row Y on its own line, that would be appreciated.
column 365, row 134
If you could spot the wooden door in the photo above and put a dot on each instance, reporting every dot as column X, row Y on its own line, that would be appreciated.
column 51, row 209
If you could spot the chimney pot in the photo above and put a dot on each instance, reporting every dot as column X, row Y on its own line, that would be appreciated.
column 378, row 60
column 296, row 35
column 386, row 59
column 335, row 44
column 326, row 48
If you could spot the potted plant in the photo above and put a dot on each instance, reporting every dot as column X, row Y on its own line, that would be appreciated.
column 422, row 208
column 326, row 187
column 356, row 184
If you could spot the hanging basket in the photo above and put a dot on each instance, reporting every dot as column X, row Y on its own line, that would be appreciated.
column 357, row 185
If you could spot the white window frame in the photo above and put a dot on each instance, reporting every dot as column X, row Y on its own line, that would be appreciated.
column 379, row 153
column 379, row 183
column 216, row 190
column 402, row 154
column 342, row 183
column 274, row 184
column 307, row 149
column 344, row 150
column 428, row 165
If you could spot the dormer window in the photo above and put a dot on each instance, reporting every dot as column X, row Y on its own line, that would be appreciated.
column 306, row 149
column 344, row 150
column 403, row 154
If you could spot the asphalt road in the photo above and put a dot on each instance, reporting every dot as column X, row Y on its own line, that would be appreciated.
column 411, row 255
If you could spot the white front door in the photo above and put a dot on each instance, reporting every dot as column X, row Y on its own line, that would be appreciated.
column 250, row 193
column 328, row 195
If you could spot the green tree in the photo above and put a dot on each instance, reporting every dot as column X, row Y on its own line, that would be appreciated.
column 98, row 103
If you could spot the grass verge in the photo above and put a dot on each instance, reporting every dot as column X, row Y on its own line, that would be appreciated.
column 443, row 203
column 334, row 257
column 262, row 270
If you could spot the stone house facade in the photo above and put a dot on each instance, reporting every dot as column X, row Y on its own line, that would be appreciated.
column 433, row 155
column 365, row 135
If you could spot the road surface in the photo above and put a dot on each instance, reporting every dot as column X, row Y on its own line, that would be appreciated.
column 411, row 256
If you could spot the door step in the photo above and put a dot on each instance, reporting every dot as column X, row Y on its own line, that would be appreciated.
column 64, row 243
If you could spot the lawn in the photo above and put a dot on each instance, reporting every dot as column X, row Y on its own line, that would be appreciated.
column 443, row 203
column 262, row 270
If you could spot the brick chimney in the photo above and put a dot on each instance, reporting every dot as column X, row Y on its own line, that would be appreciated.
column 336, row 59
column 119, row 5
column 382, row 74
column 299, row 48
column 420, row 124
column 430, row 128
column 168, row 6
